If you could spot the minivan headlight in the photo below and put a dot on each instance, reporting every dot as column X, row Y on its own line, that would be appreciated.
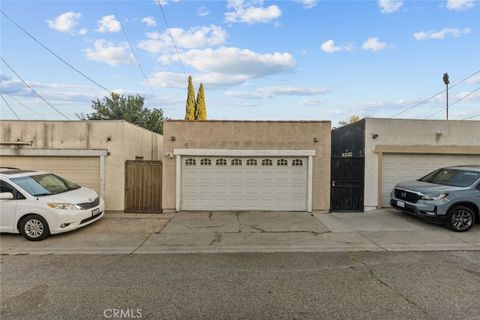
column 64, row 206
column 438, row 196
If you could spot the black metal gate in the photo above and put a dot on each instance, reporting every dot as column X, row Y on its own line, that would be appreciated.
column 347, row 184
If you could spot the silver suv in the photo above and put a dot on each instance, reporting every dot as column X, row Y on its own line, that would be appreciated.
column 448, row 196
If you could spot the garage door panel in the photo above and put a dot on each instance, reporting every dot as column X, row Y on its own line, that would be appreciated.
column 243, row 187
column 84, row 171
column 404, row 167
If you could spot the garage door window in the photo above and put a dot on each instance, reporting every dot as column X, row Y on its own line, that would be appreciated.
column 205, row 162
column 267, row 162
column 221, row 162
column 282, row 162
column 236, row 162
column 251, row 162
column 297, row 162
column 190, row 162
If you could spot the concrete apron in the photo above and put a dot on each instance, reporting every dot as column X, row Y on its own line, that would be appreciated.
column 232, row 232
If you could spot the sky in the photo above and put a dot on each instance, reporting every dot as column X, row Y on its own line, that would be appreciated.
column 258, row 60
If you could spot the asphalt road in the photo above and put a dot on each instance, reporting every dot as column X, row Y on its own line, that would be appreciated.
column 368, row 285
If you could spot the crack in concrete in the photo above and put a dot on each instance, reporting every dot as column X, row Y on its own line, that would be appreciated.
column 141, row 243
column 372, row 241
column 205, row 227
column 217, row 237
column 237, row 214
column 391, row 288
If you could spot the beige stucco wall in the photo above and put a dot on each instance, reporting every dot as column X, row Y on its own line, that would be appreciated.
column 251, row 135
column 123, row 140
column 408, row 132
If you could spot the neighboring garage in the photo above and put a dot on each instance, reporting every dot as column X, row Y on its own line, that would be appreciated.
column 94, row 154
column 84, row 170
column 394, row 150
column 246, row 165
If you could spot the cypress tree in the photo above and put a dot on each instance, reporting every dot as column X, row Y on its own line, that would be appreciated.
column 190, row 106
column 200, row 108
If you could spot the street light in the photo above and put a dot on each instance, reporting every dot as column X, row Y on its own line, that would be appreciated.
column 446, row 81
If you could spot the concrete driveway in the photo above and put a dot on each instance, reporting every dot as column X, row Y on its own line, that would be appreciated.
column 210, row 232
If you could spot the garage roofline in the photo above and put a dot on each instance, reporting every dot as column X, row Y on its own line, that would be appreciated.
column 243, row 152
column 252, row 121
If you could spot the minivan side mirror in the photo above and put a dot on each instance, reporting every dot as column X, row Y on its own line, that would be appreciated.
column 6, row 196
column 478, row 186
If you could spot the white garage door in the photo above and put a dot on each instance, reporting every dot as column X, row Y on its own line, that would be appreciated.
column 403, row 167
column 259, row 183
column 84, row 171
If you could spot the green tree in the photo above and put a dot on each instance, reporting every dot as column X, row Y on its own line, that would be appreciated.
column 353, row 118
column 130, row 108
column 190, row 107
column 200, row 108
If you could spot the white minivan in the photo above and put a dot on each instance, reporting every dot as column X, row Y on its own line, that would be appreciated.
column 38, row 203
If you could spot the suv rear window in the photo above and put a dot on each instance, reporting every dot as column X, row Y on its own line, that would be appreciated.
column 452, row 177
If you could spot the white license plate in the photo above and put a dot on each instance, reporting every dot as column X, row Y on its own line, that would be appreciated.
column 95, row 211
column 401, row 204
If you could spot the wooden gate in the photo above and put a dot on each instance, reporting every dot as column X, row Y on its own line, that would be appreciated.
column 143, row 186
column 346, row 193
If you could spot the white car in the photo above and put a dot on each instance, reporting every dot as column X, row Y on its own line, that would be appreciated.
column 38, row 203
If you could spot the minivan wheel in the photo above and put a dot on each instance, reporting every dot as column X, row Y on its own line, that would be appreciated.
column 460, row 219
column 34, row 228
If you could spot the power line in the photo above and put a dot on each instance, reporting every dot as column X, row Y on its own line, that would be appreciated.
column 34, row 91
column 423, row 101
column 56, row 55
column 8, row 105
column 471, row 117
column 171, row 36
column 462, row 98
column 23, row 104
column 133, row 52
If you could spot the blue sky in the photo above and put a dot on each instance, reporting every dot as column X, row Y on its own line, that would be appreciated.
column 305, row 59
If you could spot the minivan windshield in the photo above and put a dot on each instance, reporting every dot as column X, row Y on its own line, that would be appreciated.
column 452, row 177
column 45, row 184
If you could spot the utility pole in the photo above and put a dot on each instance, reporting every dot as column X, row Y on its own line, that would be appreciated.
column 446, row 81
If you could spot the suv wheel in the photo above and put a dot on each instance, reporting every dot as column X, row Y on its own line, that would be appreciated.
column 460, row 218
column 34, row 228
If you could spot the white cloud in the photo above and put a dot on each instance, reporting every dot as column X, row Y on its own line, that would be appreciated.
column 268, row 92
column 149, row 21
column 164, row 2
column 251, row 11
column 308, row 102
column 235, row 61
column 108, row 24
column 460, row 5
column 390, row 6
column 439, row 35
column 224, row 66
column 473, row 80
column 109, row 53
column 178, row 80
column 50, row 91
column 330, row 47
column 65, row 22
column 203, row 11
column 82, row 31
column 374, row 44
column 469, row 96
column 307, row 4
column 194, row 38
